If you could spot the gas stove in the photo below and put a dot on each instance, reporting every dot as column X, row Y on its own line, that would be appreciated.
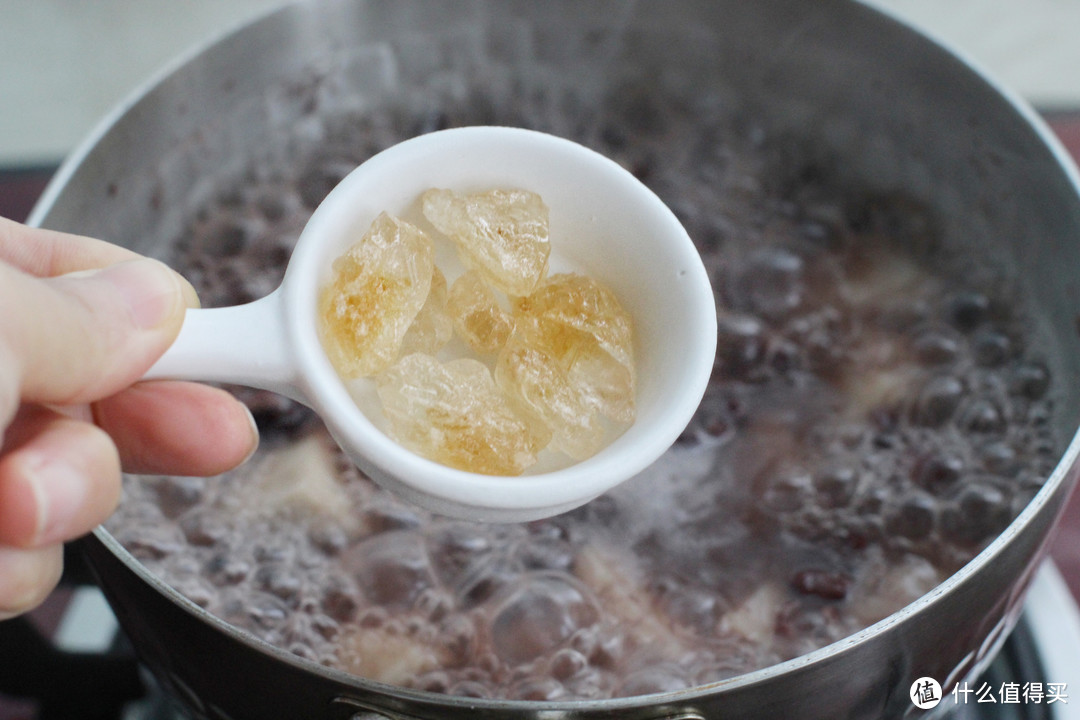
column 1038, row 665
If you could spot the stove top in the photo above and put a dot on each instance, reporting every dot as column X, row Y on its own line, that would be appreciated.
column 1039, row 663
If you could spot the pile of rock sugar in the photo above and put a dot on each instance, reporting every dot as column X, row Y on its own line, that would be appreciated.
column 549, row 359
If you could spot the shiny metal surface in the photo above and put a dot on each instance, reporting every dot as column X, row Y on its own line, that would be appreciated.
column 901, row 113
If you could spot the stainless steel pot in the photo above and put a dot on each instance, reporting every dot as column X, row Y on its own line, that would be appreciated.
column 899, row 111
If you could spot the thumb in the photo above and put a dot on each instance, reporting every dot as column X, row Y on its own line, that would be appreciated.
column 83, row 336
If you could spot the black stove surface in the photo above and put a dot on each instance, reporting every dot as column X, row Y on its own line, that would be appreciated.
column 1017, row 663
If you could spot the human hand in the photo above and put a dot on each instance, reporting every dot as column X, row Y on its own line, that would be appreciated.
column 81, row 320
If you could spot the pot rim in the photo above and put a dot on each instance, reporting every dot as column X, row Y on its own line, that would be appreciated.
column 1054, row 482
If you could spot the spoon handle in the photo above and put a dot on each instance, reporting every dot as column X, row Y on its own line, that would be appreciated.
column 243, row 345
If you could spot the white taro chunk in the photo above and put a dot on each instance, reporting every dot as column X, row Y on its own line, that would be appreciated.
column 502, row 234
column 617, row 581
column 301, row 476
column 390, row 653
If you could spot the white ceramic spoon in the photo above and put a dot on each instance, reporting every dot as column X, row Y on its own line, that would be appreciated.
column 603, row 222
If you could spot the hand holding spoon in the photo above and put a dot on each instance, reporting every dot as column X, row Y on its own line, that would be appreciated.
column 615, row 229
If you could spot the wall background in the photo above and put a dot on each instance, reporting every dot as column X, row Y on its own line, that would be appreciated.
column 65, row 63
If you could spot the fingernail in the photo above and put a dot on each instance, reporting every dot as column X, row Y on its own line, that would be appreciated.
column 150, row 289
column 191, row 296
column 254, row 434
column 60, row 492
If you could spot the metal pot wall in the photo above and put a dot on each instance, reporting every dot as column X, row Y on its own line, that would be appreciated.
column 899, row 111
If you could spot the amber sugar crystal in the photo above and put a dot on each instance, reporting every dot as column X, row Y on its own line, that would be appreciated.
column 433, row 327
column 539, row 387
column 579, row 321
column 478, row 319
column 454, row 414
column 378, row 287
column 502, row 234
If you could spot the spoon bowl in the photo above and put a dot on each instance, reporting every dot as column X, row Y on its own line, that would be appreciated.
column 603, row 222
